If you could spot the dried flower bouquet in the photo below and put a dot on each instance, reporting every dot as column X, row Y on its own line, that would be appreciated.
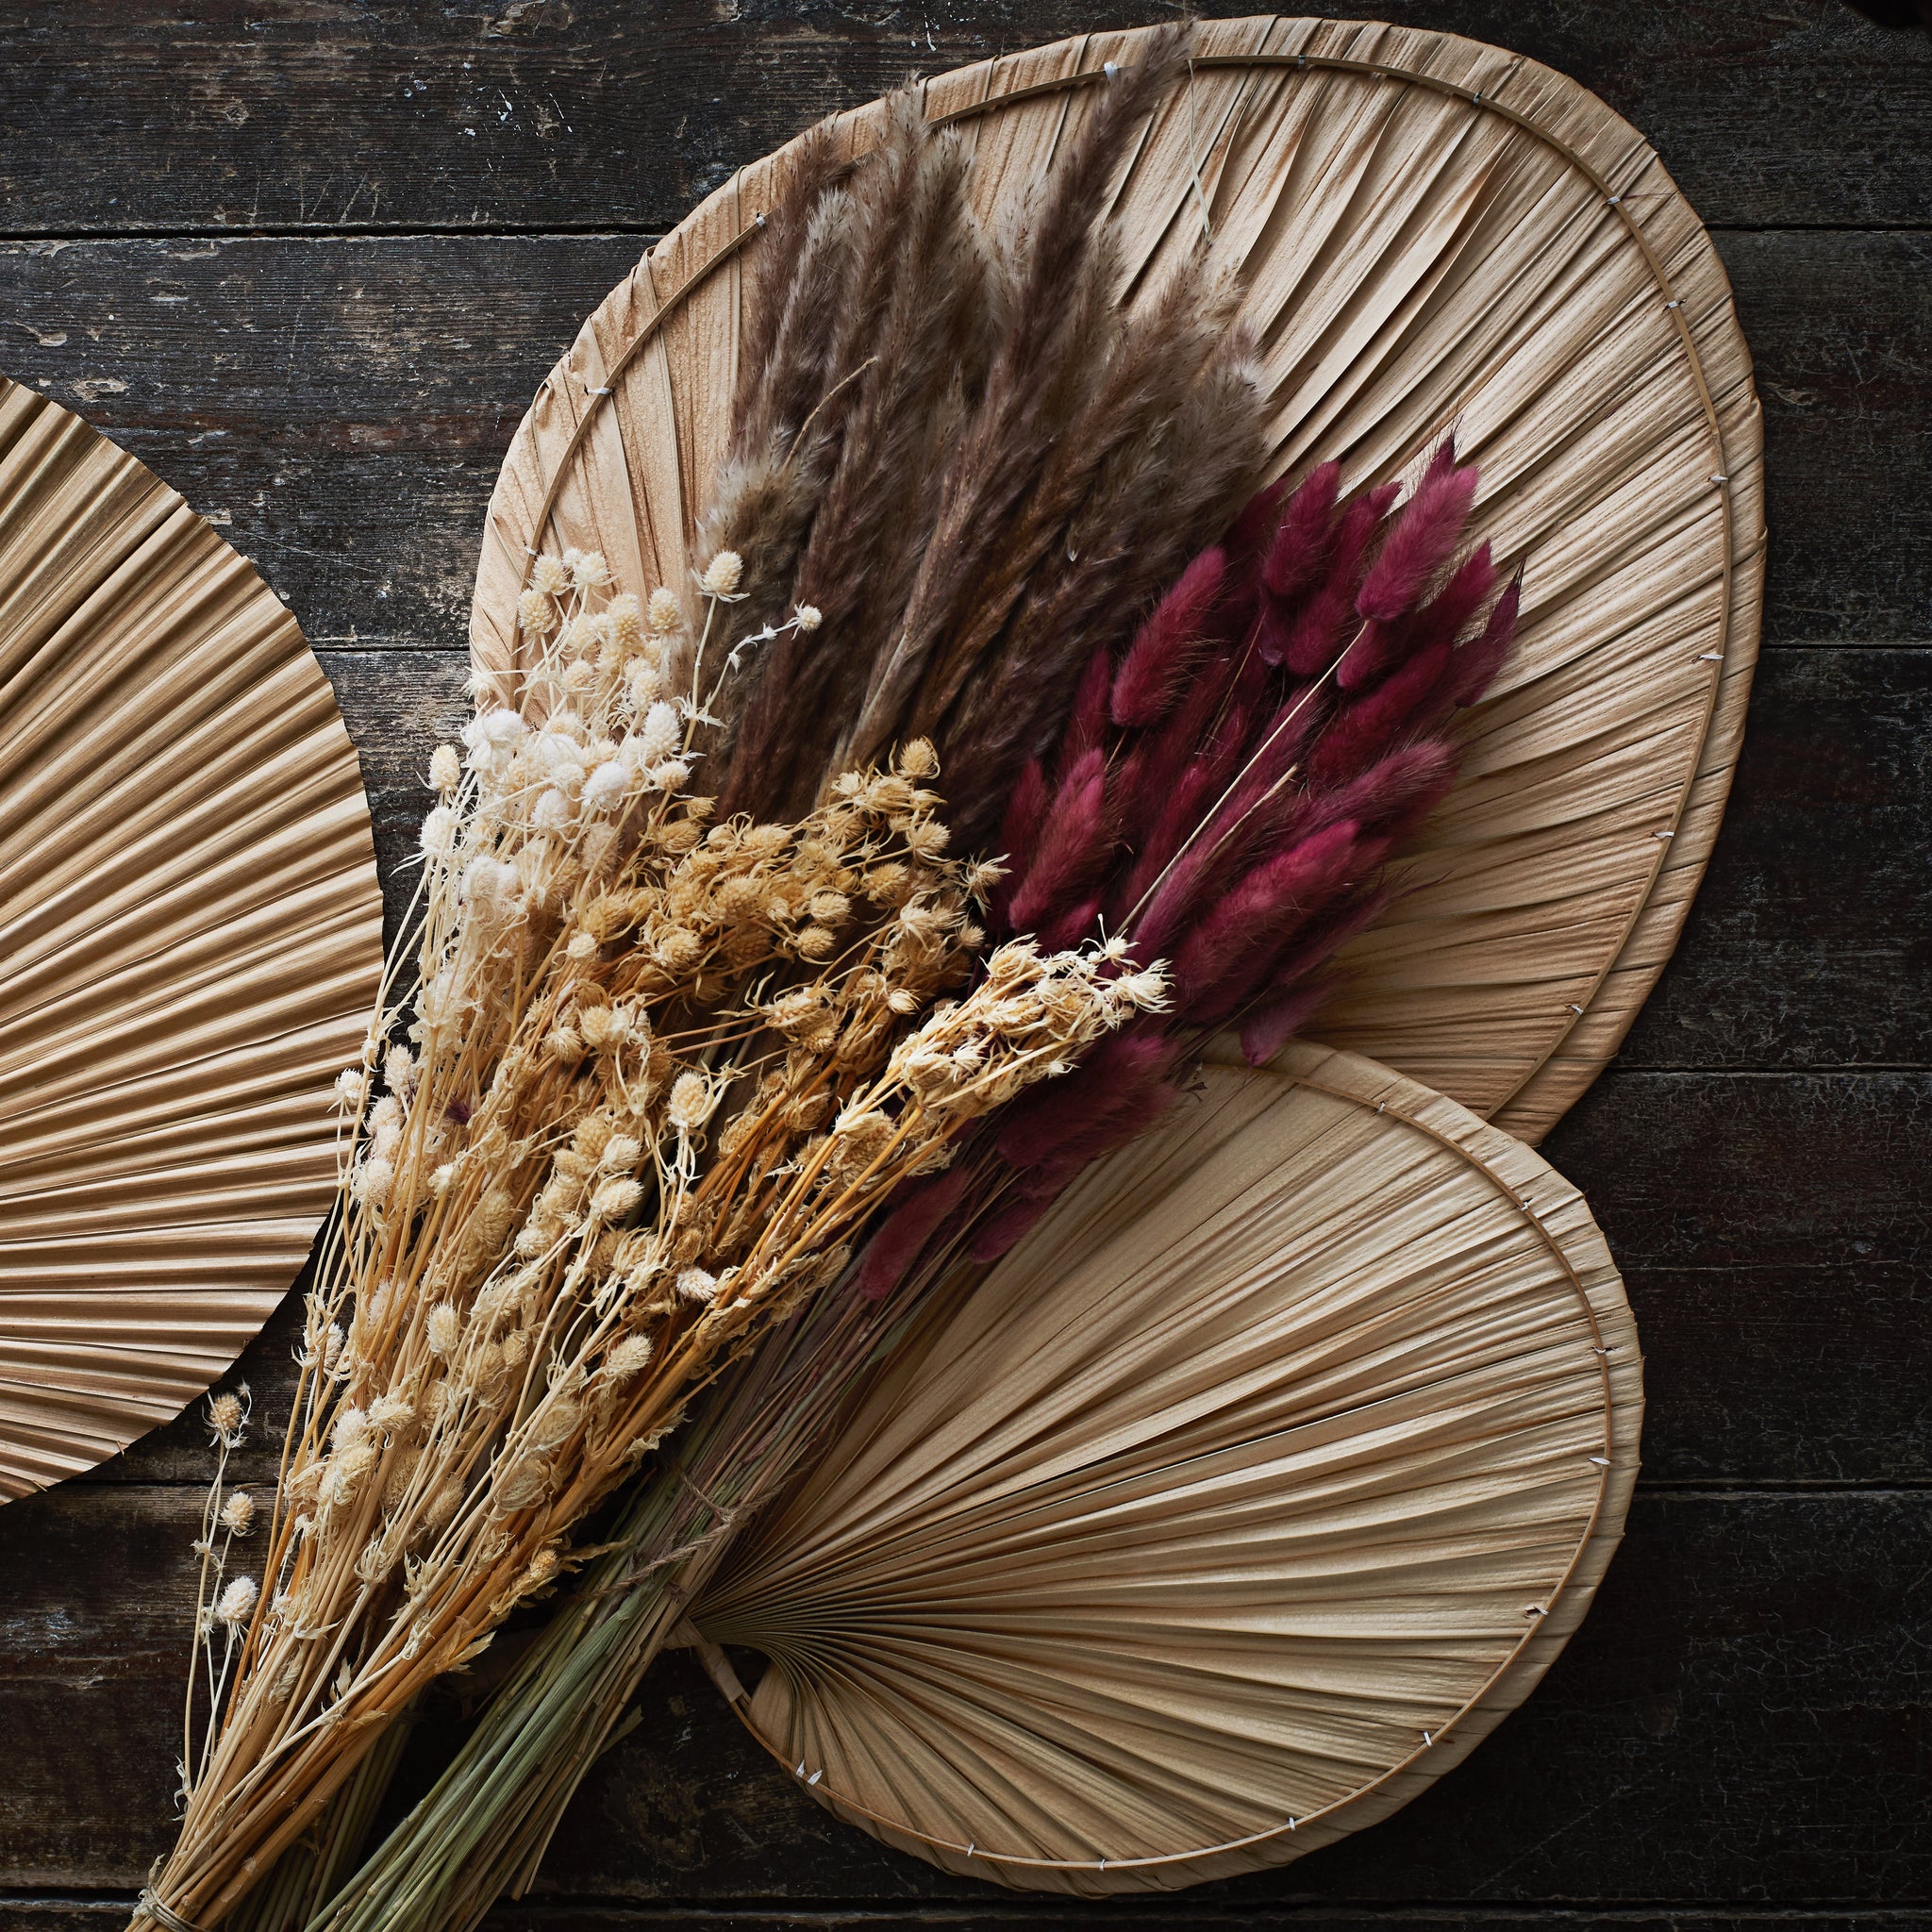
column 709, row 1042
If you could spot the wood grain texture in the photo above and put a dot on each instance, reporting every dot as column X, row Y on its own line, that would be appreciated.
column 1707, row 1737
column 1734, row 1741
column 559, row 113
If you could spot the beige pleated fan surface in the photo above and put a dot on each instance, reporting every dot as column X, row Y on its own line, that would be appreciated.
column 190, row 938
column 1434, row 234
column 1237, row 1503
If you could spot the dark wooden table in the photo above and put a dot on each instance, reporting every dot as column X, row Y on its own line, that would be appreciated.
column 308, row 258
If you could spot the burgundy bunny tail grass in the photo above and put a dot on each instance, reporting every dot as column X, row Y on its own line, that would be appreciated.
column 1421, row 541
column 907, row 1229
column 1299, row 546
column 1149, row 681
column 1477, row 664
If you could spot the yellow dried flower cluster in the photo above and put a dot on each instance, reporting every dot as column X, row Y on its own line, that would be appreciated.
column 656, row 1073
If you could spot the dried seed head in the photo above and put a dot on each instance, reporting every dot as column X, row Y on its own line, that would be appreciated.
column 225, row 1415
column 549, row 576
column 443, row 1329
column 605, row 788
column 238, row 1602
column 536, row 614
column 616, row 1197
column 918, row 760
column 659, row 735
column 370, row 1180
column 352, row 1088
column 438, row 831
column 723, row 574
column 697, row 1284
column 626, row 616
column 808, row 617
column 588, row 569
column 690, row 1103
column 445, row 768
column 666, row 613
column 391, row 1413
column 238, row 1513
column 629, row 1358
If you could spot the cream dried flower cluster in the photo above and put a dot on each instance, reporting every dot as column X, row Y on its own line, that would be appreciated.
column 655, row 1074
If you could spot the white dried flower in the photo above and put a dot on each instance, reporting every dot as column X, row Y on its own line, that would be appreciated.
column 399, row 1070
column 626, row 617
column 226, row 1412
column 672, row 776
column 918, row 760
column 603, row 1027
column 238, row 1513
column 536, row 613
column 659, row 735
column 352, row 1088
column 628, row 1358
column 445, row 768
column 351, row 1427
column 616, row 1197
column 723, row 574
column 1146, row 990
column 499, row 729
column 690, row 1103
column 697, row 1284
column 588, row 569
column 443, row 1329
column 808, row 617
column 238, row 1602
column 549, row 576
column 621, row 1153
column 666, row 613
column 391, row 1412
column 439, row 831
column 605, row 788
column 370, row 1180
column 489, row 882
column 551, row 813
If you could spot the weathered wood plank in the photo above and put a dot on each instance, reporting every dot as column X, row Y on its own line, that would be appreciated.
column 1806, row 944
column 1742, row 1718
column 559, row 113
column 343, row 404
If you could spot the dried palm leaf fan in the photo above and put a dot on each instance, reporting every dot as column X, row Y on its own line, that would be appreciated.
column 191, row 934
column 1432, row 235
column 1249, row 1491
